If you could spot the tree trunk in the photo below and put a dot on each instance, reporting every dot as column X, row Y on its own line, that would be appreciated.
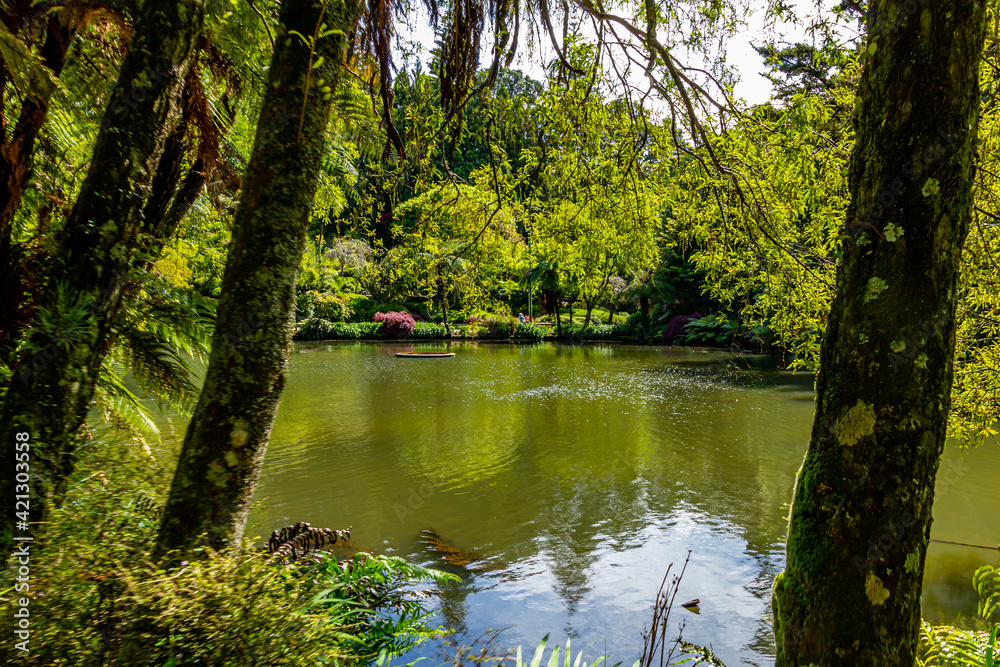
column 860, row 523
column 558, row 316
column 55, row 376
column 227, row 437
column 644, row 312
column 443, row 299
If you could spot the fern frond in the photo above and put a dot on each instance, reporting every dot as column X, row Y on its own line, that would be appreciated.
column 986, row 581
column 946, row 646
column 119, row 405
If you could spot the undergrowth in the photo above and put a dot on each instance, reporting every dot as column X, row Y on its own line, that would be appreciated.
column 96, row 597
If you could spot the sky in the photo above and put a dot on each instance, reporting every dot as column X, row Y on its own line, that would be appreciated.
column 752, row 86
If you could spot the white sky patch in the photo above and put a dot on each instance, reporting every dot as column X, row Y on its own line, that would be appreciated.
column 741, row 58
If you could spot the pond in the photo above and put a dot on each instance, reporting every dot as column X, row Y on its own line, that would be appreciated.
column 577, row 475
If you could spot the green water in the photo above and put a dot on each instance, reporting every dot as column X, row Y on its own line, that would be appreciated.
column 579, row 474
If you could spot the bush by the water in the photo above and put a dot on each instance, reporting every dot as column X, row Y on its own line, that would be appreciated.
column 395, row 324
column 600, row 332
column 711, row 330
column 530, row 331
column 428, row 330
column 324, row 305
column 365, row 309
column 320, row 329
column 498, row 326
column 676, row 329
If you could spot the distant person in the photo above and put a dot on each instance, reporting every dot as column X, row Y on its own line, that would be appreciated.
column 521, row 318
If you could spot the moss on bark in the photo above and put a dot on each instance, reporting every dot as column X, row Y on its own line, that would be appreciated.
column 227, row 437
column 860, row 521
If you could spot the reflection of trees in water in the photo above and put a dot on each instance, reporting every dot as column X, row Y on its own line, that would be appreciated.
column 454, row 610
column 571, row 536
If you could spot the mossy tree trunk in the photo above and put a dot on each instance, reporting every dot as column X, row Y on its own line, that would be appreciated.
column 860, row 522
column 229, row 430
column 99, row 245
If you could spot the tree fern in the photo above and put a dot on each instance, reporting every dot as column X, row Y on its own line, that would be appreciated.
column 118, row 405
column 158, row 335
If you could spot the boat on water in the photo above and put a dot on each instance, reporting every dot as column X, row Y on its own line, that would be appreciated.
column 425, row 355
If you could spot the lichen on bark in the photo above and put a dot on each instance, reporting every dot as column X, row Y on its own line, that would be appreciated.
column 882, row 407
column 225, row 442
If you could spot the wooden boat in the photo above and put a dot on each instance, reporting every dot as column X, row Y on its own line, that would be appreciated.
column 425, row 355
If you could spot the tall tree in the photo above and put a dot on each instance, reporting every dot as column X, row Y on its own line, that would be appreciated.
column 860, row 522
column 99, row 246
column 227, row 437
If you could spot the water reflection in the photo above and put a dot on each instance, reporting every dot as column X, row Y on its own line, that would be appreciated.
column 585, row 471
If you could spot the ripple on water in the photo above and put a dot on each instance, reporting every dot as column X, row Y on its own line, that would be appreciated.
column 585, row 472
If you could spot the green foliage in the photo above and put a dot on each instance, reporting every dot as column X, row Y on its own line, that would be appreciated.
column 324, row 305
column 319, row 329
column 428, row 330
column 315, row 275
column 159, row 332
column 690, row 654
column 530, row 331
column 360, row 305
column 391, row 620
column 711, row 330
column 986, row 581
column 600, row 332
column 98, row 600
column 947, row 646
column 391, row 277
column 498, row 326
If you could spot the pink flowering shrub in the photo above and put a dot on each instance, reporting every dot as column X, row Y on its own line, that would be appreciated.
column 396, row 324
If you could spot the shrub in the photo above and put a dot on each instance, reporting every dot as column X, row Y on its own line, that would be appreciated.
column 368, row 311
column 359, row 304
column 530, row 331
column 349, row 286
column 397, row 324
column 305, row 306
column 324, row 305
column 600, row 331
column 320, row 329
column 498, row 326
column 624, row 330
column 428, row 330
column 315, row 275
column 710, row 330
column 676, row 327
